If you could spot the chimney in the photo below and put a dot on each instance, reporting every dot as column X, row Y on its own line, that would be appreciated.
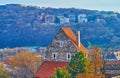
column 78, row 38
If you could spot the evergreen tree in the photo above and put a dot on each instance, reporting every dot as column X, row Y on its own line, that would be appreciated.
column 61, row 73
column 77, row 64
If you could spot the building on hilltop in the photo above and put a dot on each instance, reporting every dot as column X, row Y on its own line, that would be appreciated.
column 64, row 20
column 82, row 18
column 49, row 19
column 72, row 18
column 58, row 53
column 46, row 18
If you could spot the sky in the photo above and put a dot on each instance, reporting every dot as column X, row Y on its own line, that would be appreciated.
column 106, row 5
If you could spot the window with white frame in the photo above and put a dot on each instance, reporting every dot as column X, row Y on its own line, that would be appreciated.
column 68, row 56
column 54, row 56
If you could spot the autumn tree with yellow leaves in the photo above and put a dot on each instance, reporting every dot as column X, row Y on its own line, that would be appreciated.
column 3, row 72
column 25, row 63
column 95, row 55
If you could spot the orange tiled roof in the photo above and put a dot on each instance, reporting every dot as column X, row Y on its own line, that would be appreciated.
column 73, row 37
column 47, row 68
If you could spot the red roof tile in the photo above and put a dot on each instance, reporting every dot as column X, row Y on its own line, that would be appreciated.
column 47, row 68
column 73, row 38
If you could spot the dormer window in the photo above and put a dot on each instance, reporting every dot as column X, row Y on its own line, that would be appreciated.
column 54, row 56
column 68, row 56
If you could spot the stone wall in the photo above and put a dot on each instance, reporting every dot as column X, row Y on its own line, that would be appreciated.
column 54, row 47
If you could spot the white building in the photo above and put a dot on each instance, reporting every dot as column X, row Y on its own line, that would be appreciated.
column 82, row 18
column 49, row 19
column 64, row 20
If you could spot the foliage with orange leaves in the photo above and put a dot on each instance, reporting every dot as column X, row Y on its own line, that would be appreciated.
column 26, row 62
column 95, row 56
column 97, row 60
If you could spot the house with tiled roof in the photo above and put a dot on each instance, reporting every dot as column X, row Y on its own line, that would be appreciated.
column 112, row 64
column 112, row 68
column 58, row 53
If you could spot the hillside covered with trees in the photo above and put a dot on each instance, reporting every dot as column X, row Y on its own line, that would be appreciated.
column 20, row 26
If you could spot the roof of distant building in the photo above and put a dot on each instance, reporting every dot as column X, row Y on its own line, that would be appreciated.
column 112, row 65
column 117, row 54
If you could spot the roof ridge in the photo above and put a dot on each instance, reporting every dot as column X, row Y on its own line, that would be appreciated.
column 71, row 35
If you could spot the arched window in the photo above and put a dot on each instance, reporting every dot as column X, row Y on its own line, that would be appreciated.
column 68, row 56
column 54, row 56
